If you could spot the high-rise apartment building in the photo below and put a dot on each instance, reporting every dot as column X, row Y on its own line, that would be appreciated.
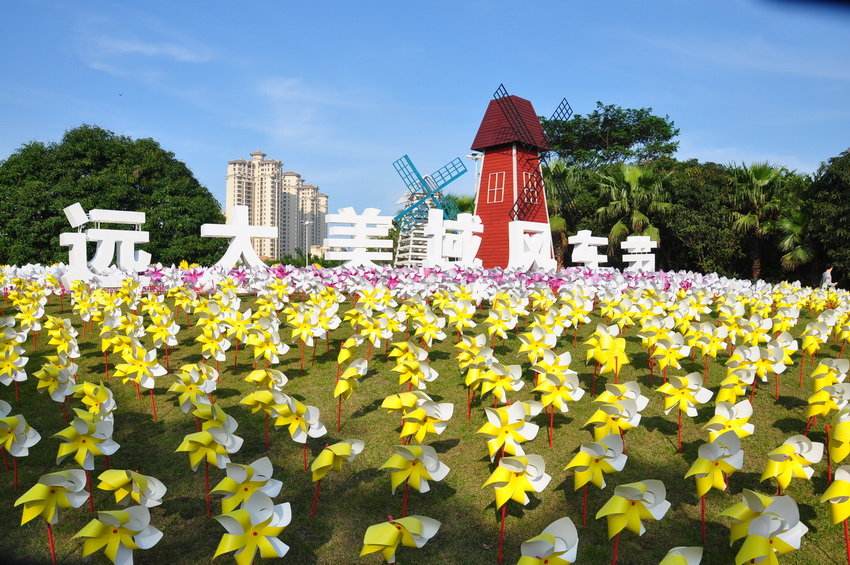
column 275, row 197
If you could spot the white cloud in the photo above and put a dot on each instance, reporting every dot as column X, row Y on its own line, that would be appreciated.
column 114, row 46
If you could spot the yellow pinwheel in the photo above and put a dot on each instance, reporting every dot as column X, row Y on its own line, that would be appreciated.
column 85, row 438
column 669, row 351
column 557, row 544
column 428, row 417
column 194, row 385
column 684, row 394
column 331, row 458
column 608, row 350
column 631, row 504
column 345, row 384
column 499, row 379
column 508, row 427
column 413, row 466
column 513, row 479
column 386, row 537
column 57, row 377
column 16, row 436
column 792, row 459
column 52, row 492
column 242, row 481
column 254, row 528
column 614, row 418
column 592, row 462
column 775, row 531
column 119, row 533
column 839, row 436
column 213, row 445
column 130, row 485
column 683, row 556
column 535, row 342
column 838, row 496
column 716, row 461
column 730, row 418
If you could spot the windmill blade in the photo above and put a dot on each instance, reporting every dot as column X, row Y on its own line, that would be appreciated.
column 512, row 115
column 448, row 173
column 410, row 175
column 563, row 112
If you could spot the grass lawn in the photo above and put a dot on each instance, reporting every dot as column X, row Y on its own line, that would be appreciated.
column 360, row 495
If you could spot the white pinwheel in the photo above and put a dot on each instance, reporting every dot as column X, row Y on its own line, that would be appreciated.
column 776, row 531
column 557, row 544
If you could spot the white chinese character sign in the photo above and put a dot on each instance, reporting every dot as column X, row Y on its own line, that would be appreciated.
column 452, row 242
column 530, row 246
column 240, row 234
column 640, row 257
column 109, row 241
column 584, row 250
column 358, row 239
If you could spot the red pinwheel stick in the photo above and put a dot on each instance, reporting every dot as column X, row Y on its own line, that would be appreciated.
column 51, row 543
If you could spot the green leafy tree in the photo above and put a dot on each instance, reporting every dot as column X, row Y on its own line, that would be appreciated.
column 100, row 169
column 634, row 195
column 829, row 204
column 612, row 134
column 758, row 202
column 697, row 231
column 462, row 202
column 795, row 241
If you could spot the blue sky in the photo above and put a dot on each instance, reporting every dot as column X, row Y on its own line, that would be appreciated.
column 338, row 90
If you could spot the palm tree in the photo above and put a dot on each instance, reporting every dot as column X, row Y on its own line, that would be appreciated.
column 795, row 242
column 758, row 197
column 635, row 194
column 561, row 182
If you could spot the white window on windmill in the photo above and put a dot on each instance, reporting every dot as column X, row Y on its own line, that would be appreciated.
column 531, row 195
column 496, row 188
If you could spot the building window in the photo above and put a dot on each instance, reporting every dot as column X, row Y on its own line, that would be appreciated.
column 496, row 188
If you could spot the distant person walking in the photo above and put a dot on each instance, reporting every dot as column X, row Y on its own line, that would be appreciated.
column 826, row 278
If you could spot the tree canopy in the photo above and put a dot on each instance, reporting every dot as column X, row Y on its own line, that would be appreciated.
column 828, row 206
column 612, row 134
column 100, row 169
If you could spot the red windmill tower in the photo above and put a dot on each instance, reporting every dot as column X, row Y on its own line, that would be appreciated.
column 510, row 181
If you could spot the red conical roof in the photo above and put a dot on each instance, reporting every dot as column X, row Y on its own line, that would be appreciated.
column 495, row 128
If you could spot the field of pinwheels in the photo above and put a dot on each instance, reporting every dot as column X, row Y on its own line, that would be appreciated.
column 513, row 400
